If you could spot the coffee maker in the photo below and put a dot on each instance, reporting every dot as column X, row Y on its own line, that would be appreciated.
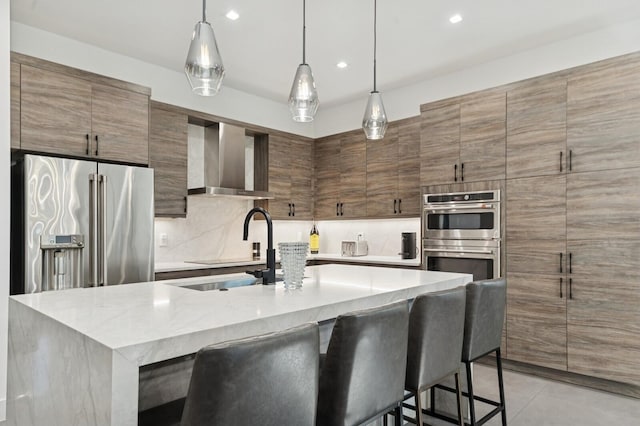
column 408, row 248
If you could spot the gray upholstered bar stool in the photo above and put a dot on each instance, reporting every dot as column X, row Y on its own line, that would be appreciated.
column 436, row 330
column 266, row 380
column 362, row 374
column 484, row 319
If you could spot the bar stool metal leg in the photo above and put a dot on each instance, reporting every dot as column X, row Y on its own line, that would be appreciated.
column 398, row 416
column 472, row 410
column 459, row 399
column 501, row 387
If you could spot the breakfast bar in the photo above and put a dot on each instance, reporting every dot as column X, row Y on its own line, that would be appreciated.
column 75, row 356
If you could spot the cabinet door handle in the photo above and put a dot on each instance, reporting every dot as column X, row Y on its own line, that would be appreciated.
column 337, row 209
column 570, row 160
column 293, row 206
column 97, row 145
column 289, row 205
column 394, row 206
column 87, row 138
column 560, row 262
column 560, row 161
column 461, row 172
column 570, row 265
column 571, row 288
column 455, row 172
column 400, row 206
column 341, row 209
column 185, row 204
column 561, row 288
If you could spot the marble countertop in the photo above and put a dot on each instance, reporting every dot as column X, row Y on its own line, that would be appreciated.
column 383, row 260
column 149, row 322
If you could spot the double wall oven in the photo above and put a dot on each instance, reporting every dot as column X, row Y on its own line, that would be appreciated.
column 461, row 233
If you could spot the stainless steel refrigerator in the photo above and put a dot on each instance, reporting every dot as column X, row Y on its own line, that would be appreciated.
column 79, row 223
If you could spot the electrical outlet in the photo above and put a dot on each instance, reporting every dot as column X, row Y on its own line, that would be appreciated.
column 164, row 240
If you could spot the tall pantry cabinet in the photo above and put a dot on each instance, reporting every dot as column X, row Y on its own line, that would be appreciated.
column 573, row 197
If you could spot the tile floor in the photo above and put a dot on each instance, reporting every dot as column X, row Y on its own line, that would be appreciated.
column 534, row 401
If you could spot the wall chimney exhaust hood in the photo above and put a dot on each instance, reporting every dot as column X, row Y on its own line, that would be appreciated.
column 221, row 162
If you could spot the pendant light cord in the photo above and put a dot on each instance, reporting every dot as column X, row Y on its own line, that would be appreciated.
column 304, row 31
column 374, row 43
column 204, row 10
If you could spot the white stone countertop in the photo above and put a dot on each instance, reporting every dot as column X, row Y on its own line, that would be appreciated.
column 150, row 322
column 383, row 260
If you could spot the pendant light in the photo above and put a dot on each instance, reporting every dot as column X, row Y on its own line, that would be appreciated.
column 303, row 99
column 203, row 67
column 374, row 122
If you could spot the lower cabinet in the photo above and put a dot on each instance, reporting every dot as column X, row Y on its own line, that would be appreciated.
column 573, row 273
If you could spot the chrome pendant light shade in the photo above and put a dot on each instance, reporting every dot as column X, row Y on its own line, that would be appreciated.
column 204, row 67
column 374, row 122
column 303, row 99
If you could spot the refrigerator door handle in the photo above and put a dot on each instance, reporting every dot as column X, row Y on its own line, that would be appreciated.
column 102, row 222
column 93, row 230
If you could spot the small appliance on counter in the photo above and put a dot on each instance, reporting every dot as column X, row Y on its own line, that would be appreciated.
column 408, row 248
column 355, row 248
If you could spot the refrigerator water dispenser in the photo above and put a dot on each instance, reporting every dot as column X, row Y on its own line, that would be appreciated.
column 62, row 265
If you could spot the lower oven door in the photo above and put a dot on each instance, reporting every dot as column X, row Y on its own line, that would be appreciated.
column 481, row 258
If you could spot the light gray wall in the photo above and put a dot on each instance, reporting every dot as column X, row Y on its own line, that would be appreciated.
column 5, row 160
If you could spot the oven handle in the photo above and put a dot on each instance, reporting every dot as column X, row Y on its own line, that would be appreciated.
column 437, row 250
column 460, row 207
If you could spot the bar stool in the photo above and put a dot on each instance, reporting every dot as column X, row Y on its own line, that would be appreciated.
column 362, row 374
column 436, row 330
column 484, row 319
column 267, row 380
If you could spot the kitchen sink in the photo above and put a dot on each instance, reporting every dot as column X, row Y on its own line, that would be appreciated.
column 224, row 284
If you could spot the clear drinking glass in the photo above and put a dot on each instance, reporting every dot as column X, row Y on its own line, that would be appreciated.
column 293, row 258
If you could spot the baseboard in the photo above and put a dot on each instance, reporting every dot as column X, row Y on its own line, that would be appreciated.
column 625, row 389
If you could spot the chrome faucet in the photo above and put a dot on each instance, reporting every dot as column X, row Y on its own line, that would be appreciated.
column 268, row 275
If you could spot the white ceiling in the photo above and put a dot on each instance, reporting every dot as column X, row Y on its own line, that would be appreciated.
column 262, row 49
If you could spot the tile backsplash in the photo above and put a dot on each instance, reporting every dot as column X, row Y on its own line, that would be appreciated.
column 213, row 229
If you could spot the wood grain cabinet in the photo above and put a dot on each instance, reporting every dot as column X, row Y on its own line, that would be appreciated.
column 536, row 272
column 603, row 314
column 537, row 128
column 463, row 140
column 603, row 115
column 573, row 268
column 168, row 152
column 68, row 115
column 341, row 176
column 393, row 171
column 290, row 178
column 15, row 105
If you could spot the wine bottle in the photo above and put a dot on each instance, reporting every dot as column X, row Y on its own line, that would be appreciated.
column 314, row 239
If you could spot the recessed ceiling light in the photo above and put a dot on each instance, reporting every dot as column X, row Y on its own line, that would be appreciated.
column 233, row 15
column 342, row 64
column 455, row 18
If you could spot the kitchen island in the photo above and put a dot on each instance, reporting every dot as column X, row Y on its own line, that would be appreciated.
column 75, row 356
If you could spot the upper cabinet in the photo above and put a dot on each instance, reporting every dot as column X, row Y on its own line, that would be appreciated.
column 69, row 112
column 463, row 139
column 537, row 128
column 393, row 171
column 341, row 176
column 603, row 115
column 15, row 105
column 168, row 157
column 289, row 177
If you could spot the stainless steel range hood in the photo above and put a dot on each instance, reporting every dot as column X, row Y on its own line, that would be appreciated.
column 219, row 156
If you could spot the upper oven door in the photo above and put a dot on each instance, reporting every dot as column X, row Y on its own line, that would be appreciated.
column 462, row 221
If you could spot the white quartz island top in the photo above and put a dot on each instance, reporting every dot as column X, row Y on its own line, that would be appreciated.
column 128, row 326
